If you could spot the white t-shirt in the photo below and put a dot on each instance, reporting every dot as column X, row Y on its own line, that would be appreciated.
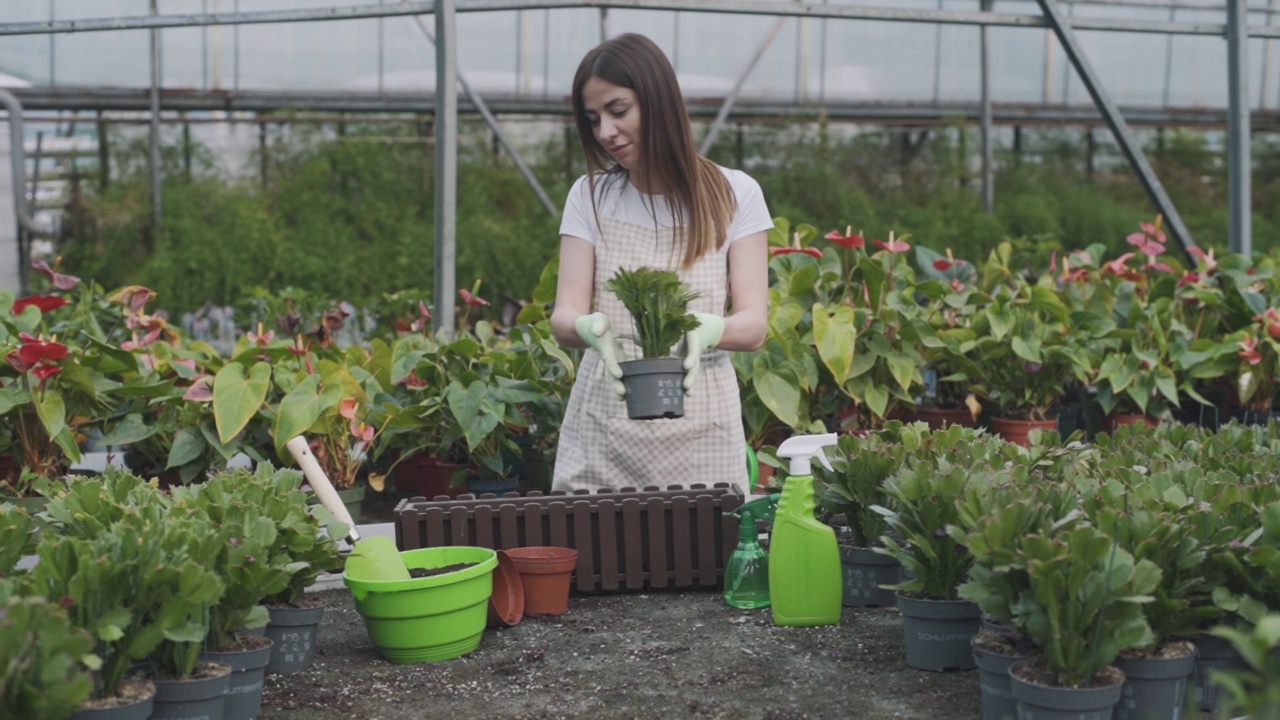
column 640, row 209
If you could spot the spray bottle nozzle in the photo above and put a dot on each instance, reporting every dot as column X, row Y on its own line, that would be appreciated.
column 749, row 513
column 800, row 449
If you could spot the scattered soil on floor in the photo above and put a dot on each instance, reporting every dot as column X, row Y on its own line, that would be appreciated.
column 651, row 655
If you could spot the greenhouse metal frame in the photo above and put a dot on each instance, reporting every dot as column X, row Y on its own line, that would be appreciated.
column 444, row 105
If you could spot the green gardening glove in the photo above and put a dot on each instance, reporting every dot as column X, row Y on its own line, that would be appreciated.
column 595, row 331
column 697, row 341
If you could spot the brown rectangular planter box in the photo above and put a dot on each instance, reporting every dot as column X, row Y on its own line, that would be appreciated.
column 626, row 539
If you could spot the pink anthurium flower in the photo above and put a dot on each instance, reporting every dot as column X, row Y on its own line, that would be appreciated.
column 848, row 240
column 60, row 281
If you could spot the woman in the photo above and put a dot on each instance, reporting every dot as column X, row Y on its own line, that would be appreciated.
column 648, row 199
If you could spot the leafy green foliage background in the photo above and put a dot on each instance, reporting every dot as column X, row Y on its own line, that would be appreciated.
column 349, row 214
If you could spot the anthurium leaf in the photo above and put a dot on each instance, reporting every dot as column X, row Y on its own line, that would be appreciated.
column 236, row 398
column 835, row 338
column 877, row 398
column 904, row 370
column 130, row 430
column 779, row 390
column 302, row 407
column 188, row 444
column 11, row 397
column 52, row 411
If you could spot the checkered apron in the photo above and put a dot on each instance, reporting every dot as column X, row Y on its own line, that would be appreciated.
column 599, row 446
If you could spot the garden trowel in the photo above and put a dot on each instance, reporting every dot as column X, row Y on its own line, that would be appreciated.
column 374, row 558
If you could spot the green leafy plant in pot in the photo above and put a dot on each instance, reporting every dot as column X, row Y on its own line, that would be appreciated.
column 659, row 306
column 852, row 488
column 44, row 658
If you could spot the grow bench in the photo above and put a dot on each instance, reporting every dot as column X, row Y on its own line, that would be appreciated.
column 626, row 539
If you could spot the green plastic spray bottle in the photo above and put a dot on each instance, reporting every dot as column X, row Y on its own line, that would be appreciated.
column 804, row 560
column 746, row 577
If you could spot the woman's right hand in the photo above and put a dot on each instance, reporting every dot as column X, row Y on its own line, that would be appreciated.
column 595, row 331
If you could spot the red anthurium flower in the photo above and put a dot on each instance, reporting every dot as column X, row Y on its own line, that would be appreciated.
column 893, row 246
column 1210, row 263
column 362, row 431
column 472, row 300
column 812, row 252
column 348, row 407
column 942, row 264
column 1154, row 231
column 1249, row 350
column 46, row 303
column 134, row 297
column 201, row 390
column 848, row 240
column 1188, row 278
column 35, row 349
column 44, row 371
column 60, row 281
column 15, row 360
column 260, row 338
column 795, row 248
column 412, row 380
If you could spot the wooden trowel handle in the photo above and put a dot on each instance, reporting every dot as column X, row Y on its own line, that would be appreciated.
column 320, row 483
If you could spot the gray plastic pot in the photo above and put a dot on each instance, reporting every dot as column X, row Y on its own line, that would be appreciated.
column 938, row 633
column 998, row 702
column 1212, row 653
column 244, row 694
column 655, row 388
column 864, row 571
column 1050, row 703
column 293, row 635
column 193, row 697
column 1154, row 688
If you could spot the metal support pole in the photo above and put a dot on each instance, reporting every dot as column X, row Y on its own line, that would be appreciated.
column 153, row 137
column 718, row 124
column 988, row 156
column 492, row 122
column 446, row 166
column 604, row 24
column 1111, row 114
column 1239, row 163
column 18, row 166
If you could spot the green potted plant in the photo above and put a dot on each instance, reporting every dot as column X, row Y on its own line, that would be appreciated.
column 1150, row 517
column 1254, row 691
column 852, row 489
column 17, row 537
column 44, row 659
column 308, row 537
column 937, row 624
column 1083, row 606
column 245, row 555
column 659, row 306
column 1029, row 357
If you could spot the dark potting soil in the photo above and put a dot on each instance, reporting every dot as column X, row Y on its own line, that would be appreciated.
column 429, row 572
column 245, row 643
column 631, row 655
column 1037, row 672
column 132, row 690
column 1168, row 651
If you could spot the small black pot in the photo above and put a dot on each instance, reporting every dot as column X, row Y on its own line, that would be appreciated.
column 655, row 388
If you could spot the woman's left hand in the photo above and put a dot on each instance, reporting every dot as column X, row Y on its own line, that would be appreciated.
column 707, row 335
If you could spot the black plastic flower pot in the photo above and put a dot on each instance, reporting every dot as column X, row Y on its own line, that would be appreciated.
column 938, row 633
column 864, row 572
column 1155, row 687
column 998, row 702
column 202, row 696
column 244, row 696
column 1212, row 653
column 655, row 388
column 293, row 636
column 1043, row 702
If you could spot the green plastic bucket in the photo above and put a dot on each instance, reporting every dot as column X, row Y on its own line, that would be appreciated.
column 433, row 618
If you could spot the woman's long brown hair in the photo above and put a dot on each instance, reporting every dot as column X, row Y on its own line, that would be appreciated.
column 697, row 193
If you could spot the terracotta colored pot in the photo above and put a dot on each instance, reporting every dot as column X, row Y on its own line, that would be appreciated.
column 1115, row 420
column 426, row 476
column 941, row 418
column 1018, row 432
column 506, row 604
column 545, row 573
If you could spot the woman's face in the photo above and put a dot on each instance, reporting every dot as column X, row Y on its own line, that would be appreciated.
column 614, row 112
